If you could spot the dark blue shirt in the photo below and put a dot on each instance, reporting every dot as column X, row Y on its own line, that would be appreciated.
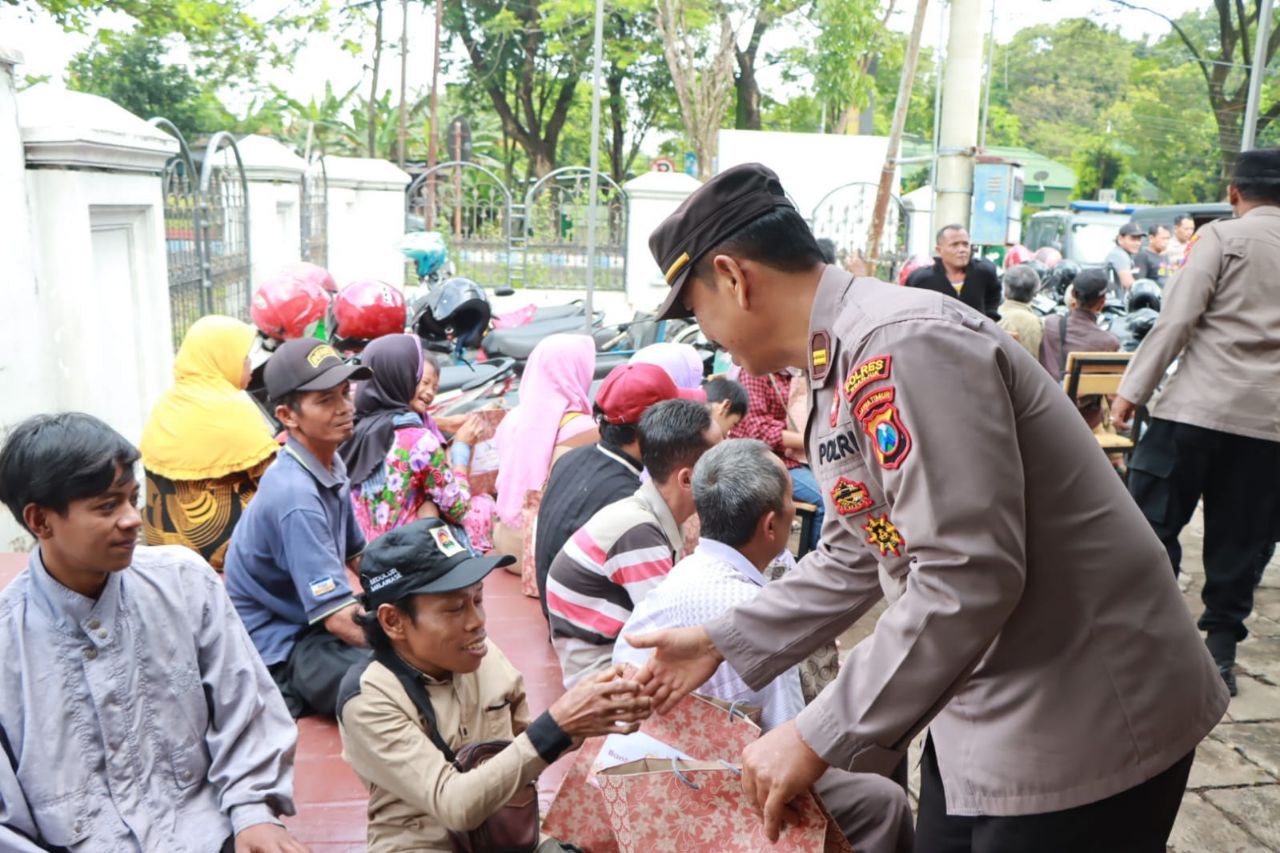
column 285, row 565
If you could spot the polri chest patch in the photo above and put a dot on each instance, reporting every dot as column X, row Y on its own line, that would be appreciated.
column 837, row 447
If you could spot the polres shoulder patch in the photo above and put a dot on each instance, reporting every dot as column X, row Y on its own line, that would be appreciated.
column 871, row 370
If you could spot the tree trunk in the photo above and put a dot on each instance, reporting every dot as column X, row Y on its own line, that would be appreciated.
column 373, row 85
column 404, row 73
column 617, row 127
column 748, row 88
column 702, row 88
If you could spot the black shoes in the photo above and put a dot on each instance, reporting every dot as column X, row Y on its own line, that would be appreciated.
column 1222, row 646
column 1228, row 677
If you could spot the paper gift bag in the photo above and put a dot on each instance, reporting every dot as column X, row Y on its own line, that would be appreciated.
column 577, row 814
column 677, row 806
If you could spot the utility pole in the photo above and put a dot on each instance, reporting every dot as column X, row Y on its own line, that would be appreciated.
column 961, row 93
column 593, row 182
column 905, row 82
column 435, row 126
column 1256, row 72
column 986, row 91
column 404, row 72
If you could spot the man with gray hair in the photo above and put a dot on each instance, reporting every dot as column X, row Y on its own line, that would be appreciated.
column 743, row 497
column 1016, row 317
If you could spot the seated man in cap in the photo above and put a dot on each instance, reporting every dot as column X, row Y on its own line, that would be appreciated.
column 627, row 548
column 135, row 715
column 743, row 497
column 588, row 479
column 436, row 684
column 287, row 564
column 1121, row 260
column 1079, row 332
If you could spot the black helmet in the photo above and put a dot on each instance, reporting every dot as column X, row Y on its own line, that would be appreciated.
column 1062, row 276
column 457, row 307
column 1040, row 267
column 1144, row 293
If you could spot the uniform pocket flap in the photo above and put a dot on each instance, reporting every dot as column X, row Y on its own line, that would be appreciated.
column 1156, row 461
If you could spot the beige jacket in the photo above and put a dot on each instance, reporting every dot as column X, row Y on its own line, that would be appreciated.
column 414, row 794
column 1020, row 320
column 1221, row 319
column 1035, row 624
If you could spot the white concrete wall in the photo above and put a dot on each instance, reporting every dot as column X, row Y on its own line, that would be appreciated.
column 651, row 198
column 25, row 388
column 366, row 219
column 274, row 175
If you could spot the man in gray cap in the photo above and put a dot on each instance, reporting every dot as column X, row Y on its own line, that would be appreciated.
column 287, row 564
column 1215, row 432
column 1120, row 260
column 1078, row 331
column 1035, row 627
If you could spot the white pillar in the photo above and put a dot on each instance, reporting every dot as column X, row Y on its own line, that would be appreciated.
column 93, row 178
column 366, row 219
column 961, row 95
column 651, row 198
column 274, row 174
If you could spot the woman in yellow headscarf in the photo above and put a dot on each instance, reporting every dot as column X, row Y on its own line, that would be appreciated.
column 206, row 444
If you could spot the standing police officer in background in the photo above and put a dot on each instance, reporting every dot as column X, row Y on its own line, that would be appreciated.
column 1215, row 431
column 1035, row 626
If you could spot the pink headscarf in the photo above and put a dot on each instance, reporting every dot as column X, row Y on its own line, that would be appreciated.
column 681, row 362
column 556, row 381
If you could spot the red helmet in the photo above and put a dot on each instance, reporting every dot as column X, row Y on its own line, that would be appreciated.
column 1017, row 254
column 1048, row 256
column 314, row 273
column 287, row 307
column 368, row 309
column 913, row 264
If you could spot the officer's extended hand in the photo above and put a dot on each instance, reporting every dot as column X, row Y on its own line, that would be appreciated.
column 776, row 769
column 683, row 660
column 1122, row 412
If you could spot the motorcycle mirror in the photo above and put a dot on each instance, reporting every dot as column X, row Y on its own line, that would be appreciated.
column 504, row 291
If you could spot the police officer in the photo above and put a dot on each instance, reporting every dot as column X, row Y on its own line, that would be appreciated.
column 1035, row 627
column 1215, row 431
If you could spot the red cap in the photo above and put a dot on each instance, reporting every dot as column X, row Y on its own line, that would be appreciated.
column 630, row 389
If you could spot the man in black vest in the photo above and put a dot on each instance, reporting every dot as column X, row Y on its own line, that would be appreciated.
column 957, row 273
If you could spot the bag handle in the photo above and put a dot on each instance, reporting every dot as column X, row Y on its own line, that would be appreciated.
column 411, row 681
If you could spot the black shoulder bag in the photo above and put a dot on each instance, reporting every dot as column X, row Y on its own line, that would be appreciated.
column 514, row 828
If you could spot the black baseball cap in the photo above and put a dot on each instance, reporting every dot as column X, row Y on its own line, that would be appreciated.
column 1131, row 229
column 715, row 211
column 1090, row 284
column 306, row 364
column 420, row 557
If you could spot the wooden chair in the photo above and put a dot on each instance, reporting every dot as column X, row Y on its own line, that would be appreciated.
column 808, row 513
column 1099, row 373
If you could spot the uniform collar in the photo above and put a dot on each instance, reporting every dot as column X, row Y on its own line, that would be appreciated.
column 330, row 479
column 1263, row 210
column 832, row 288
column 652, row 498
column 1017, row 306
column 722, row 553
column 619, row 455
column 75, row 614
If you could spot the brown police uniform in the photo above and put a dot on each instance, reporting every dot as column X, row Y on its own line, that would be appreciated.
column 1033, row 625
column 1215, row 430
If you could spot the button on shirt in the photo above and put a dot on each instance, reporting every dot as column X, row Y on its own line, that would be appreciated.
column 140, row 721
column 702, row 587
column 285, row 568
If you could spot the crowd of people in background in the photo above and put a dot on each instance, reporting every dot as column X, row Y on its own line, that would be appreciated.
column 353, row 550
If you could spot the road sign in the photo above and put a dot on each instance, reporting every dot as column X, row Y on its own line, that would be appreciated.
column 664, row 164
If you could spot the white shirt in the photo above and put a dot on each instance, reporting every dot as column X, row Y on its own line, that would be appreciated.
column 701, row 587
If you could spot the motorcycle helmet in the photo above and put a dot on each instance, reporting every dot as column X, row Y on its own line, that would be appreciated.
column 457, row 308
column 365, row 310
column 287, row 307
column 1138, row 324
column 1061, row 277
column 913, row 264
column 1042, row 271
column 1049, row 256
column 427, row 251
column 1144, row 293
column 1017, row 254
column 312, row 272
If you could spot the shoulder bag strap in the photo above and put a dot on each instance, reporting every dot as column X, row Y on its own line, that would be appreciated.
column 1062, row 345
column 412, row 683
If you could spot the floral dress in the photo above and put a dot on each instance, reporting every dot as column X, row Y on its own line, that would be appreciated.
column 416, row 470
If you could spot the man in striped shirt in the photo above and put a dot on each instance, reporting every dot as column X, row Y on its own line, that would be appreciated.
column 628, row 547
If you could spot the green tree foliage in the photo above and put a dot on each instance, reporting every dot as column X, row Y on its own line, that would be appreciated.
column 132, row 72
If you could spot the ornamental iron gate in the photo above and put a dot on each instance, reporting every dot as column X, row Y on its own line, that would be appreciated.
column 844, row 216
column 206, row 219
column 555, row 231
column 471, row 207
column 314, row 209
